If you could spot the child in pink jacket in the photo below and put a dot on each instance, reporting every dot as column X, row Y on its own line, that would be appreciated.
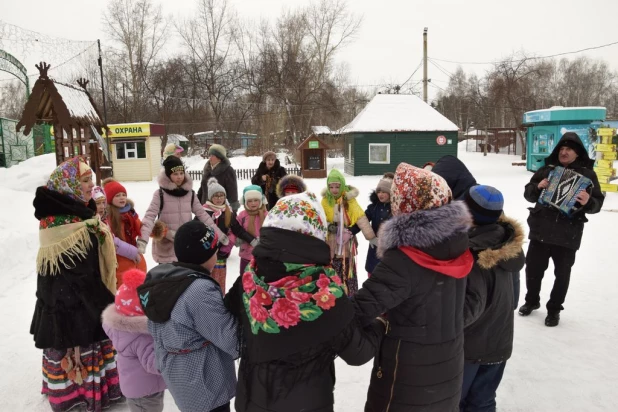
column 251, row 218
column 127, row 327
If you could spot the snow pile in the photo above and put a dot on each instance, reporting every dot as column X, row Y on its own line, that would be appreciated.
column 569, row 368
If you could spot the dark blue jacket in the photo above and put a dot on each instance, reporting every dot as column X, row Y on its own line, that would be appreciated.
column 377, row 212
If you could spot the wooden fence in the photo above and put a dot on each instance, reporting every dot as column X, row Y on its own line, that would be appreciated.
column 244, row 174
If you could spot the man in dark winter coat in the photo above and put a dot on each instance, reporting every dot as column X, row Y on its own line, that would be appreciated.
column 496, row 243
column 554, row 234
column 218, row 166
column 420, row 284
column 295, row 315
column 267, row 177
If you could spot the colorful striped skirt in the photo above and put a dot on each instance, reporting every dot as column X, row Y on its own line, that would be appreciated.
column 219, row 273
column 99, row 388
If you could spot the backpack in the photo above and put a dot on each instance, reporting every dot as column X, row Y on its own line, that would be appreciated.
column 161, row 200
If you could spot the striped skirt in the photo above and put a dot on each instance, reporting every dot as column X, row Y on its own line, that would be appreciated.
column 219, row 273
column 99, row 389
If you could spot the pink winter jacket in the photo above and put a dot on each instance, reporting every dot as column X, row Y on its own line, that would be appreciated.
column 175, row 212
column 245, row 248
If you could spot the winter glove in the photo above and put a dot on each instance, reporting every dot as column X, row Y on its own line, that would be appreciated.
column 141, row 246
column 170, row 235
column 224, row 240
column 235, row 206
column 255, row 242
column 373, row 242
column 238, row 242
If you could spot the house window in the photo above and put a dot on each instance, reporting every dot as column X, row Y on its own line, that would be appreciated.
column 379, row 153
column 132, row 150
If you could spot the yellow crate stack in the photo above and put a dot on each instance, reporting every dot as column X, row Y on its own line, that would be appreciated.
column 606, row 154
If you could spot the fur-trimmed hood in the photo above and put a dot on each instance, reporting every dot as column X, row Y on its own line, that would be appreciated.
column 505, row 249
column 133, row 324
column 349, row 195
column 290, row 180
column 167, row 184
column 424, row 229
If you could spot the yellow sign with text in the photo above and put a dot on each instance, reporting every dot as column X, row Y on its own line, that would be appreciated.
column 129, row 130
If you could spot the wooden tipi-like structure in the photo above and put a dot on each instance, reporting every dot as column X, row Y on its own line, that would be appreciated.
column 71, row 111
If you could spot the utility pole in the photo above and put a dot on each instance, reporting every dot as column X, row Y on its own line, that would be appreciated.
column 109, row 146
column 425, row 65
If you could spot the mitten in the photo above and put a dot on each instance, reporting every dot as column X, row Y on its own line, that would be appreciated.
column 238, row 242
column 223, row 239
column 373, row 242
column 141, row 246
column 170, row 235
column 255, row 242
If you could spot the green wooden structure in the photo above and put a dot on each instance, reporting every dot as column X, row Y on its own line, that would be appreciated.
column 395, row 128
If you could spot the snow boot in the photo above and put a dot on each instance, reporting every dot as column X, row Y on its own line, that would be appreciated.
column 553, row 318
column 527, row 308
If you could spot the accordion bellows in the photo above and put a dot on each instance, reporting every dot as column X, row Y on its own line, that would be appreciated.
column 564, row 186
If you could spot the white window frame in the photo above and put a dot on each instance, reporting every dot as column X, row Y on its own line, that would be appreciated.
column 350, row 156
column 128, row 150
column 388, row 154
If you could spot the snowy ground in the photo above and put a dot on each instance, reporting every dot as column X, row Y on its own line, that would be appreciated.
column 573, row 367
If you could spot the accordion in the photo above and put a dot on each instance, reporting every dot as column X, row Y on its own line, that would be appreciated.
column 564, row 186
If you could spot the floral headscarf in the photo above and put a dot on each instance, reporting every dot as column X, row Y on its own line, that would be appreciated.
column 65, row 178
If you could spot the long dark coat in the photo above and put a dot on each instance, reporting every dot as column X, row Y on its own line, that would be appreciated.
column 377, row 213
column 226, row 176
column 269, row 187
column 420, row 363
column 547, row 224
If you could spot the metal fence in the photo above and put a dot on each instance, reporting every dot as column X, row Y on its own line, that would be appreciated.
column 15, row 147
column 244, row 174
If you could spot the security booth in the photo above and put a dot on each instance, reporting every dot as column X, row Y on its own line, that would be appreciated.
column 546, row 127
column 136, row 150
column 313, row 157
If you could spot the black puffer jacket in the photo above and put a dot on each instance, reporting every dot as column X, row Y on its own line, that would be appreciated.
column 420, row 363
column 269, row 187
column 488, row 313
column 69, row 304
column 456, row 174
column 226, row 176
column 548, row 224
column 293, row 370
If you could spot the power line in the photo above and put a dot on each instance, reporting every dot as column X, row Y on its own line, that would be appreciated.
column 535, row 58
column 413, row 73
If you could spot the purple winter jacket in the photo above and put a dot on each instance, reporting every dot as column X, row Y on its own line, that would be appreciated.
column 175, row 212
column 137, row 366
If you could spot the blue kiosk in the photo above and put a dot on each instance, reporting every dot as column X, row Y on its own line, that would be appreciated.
column 546, row 127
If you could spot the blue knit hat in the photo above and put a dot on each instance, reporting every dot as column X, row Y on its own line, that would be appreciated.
column 485, row 204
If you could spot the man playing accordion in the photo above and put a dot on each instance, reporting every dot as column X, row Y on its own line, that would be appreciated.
column 553, row 233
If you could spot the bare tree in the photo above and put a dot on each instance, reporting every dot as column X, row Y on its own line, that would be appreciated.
column 139, row 28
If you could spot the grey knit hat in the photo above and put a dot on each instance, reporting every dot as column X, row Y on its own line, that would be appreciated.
column 214, row 187
column 384, row 185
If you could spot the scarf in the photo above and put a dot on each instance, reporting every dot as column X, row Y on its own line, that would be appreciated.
column 457, row 268
column 217, row 211
column 65, row 178
column 261, row 212
column 65, row 238
column 131, row 225
column 303, row 295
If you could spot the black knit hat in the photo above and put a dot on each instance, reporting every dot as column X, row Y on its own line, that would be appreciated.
column 173, row 164
column 195, row 242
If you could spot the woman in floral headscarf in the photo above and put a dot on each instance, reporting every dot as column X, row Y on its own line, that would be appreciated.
column 76, row 266
column 294, row 315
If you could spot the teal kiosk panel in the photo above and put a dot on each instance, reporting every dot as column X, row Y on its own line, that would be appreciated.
column 546, row 127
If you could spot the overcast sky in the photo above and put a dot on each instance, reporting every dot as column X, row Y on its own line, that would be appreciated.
column 389, row 45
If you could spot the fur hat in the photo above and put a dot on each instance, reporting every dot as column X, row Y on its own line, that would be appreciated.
column 98, row 194
column 217, row 150
column 195, row 242
column 252, row 192
column 417, row 189
column 214, row 187
column 127, row 302
column 269, row 154
column 299, row 213
column 172, row 149
column 112, row 187
column 384, row 185
column 290, row 183
column 173, row 164
column 485, row 204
